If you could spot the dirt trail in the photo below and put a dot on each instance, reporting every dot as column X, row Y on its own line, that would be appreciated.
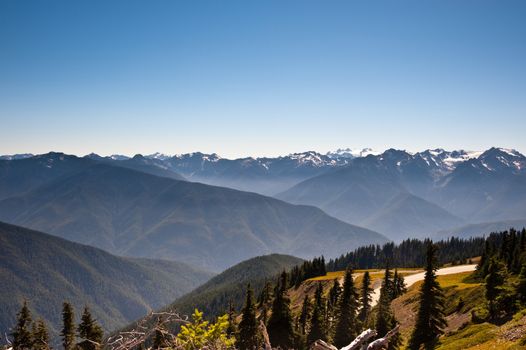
column 412, row 279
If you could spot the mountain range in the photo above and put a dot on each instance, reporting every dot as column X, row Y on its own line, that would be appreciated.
column 397, row 193
column 134, row 213
column 46, row 270
column 414, row 195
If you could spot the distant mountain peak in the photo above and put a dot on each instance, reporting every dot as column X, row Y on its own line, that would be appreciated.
column 159, row 155
column 16, row 156
column 351, row 153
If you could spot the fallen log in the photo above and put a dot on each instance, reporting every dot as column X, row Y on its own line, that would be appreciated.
column 383, row 343
column 321, row 345
column 360, row 340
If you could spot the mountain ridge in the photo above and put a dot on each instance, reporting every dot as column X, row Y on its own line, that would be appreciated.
column 132, row 213
column 45, row 270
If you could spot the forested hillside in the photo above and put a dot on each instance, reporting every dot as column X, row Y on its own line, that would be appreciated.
column 46, row 270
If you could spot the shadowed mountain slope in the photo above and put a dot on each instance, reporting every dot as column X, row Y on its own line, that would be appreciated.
column 230, row 285
column 414, row 195
column 136, row 214
column 47, row 270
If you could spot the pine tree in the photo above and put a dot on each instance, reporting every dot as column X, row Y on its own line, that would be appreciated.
column 22, row 333
column 317, row 326
column 365, row 298
column 430, row 318
column 305, row 315
column 231, row 331
column 494, row 280
column 332, row 307
column 68, row 327
column 521, row 286
column 248, row 327
column 40, row 336
column 347, row 324
column 89, row 331
column 384, row 314
column 398, row 285
column 280, row 323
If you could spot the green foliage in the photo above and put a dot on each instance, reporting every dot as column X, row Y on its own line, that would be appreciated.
column 248, row 327
column 214, row 296
column 494, row 281
column 347, row 325
column 398, row 285
column 365, row 298
column 385, row 319
column 199, row 333
column 409, row 253
column 89, row 332
column 68, row 327
column 40, row 336
column 430, row 317
column 280, row 324
column 45, row 270
column 22, row 338
column 521, row 286
column 309, row 269
column 317, row 330
column 305, row 316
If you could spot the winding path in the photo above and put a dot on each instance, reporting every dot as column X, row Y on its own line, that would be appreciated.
column 412, row 279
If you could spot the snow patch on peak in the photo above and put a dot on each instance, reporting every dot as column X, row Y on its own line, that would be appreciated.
column 158, row 155
column 351, row 153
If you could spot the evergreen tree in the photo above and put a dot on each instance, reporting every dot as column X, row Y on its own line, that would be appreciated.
column 332, row 307
column 280, row 323
column 40, row 336
column 265, row 296
column 430, row 318
column 521, row 286
column 494, row 281
column 68, row 327
column 22, row 333
column 317, row 327
column 384, row 314
column 231, row 331
column 398, row 285
column 89, row 331
column 304, row 315
column 365, row 298
column 347, row 324
column 248, row 327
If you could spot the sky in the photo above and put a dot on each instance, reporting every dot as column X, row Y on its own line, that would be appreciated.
column 261, row 78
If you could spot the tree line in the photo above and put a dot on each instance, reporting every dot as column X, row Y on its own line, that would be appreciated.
column 502, row 268
column 33, row 335
column 409, row 253
column 337, row 315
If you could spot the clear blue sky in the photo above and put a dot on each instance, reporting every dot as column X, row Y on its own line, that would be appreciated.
column 261, row 77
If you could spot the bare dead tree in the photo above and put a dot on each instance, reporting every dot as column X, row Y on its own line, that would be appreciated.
column 142, row 332
column 382, row 343
column 361, row 340
column 321, row 345
column 264, row 334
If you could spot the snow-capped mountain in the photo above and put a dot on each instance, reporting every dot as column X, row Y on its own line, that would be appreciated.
column 16, row 156
column 416, row 193
column 351, row 153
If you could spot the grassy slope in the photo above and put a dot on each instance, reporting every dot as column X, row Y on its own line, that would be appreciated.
column 46, row 270
column 461, row 333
